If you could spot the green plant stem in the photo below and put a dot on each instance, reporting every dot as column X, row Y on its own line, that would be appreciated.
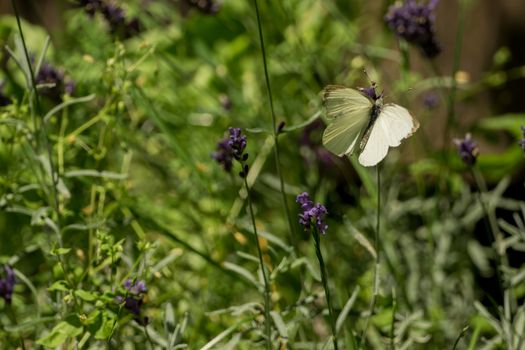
column 451, row 101
column 376, row 262
column 275, row 131
column 324, row 278
column 265, row 278
column 460, row 336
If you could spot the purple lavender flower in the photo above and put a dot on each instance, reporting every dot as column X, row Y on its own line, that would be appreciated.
column 208, row 7
column 230, row 148
column 431, row 100
column 312, row 213
column 467, row 149
column 90, row 6
column 223, row 155
column 237, row 142
column 522, row 141
column 414, row 22
column 53, row 78
column 116, row 18
column 114, row 15
column 7, row 284
column 136, row 288
column 134, row 299
column 55, row 81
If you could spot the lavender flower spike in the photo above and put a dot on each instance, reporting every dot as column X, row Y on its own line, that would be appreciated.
column 312, row 214
column 134, row 299
column 414, row 22
column 7, row 285
column 467, row 149
column 230, row 148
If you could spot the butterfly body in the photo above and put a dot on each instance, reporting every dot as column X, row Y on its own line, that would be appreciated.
column 359, row 120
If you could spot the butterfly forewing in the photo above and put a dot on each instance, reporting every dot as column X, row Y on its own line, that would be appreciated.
column 348, row 112
column 393, row 124
column 339, row 101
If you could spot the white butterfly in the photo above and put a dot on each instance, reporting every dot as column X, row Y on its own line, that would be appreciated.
column 358, row 119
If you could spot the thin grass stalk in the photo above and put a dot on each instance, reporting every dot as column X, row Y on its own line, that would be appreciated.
column 267, row 324
column 460, row 336
column 274, row 129
column 376, row 262
column 324, row 278
column 451, row 101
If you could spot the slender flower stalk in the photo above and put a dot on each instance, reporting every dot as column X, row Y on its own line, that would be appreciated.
column 276, row 130
column 232, row 148
column 451, row 100
column 377, row 261
column 266, row 293
column 312, row 219
column 324, row 278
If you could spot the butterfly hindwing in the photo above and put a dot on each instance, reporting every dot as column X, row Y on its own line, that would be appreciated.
column 348, row 113
column 393, row 124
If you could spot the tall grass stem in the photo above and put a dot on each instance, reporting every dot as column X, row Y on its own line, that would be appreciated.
column 451, row 101
column 277, row 152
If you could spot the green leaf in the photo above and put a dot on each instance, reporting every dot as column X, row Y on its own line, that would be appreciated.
column 279, row 324
column 106, row 326
column 59, row 334
column 242, row 272
column 346, row 309
column 85, row 295
column 60, row 251
column 60, row 285
column 509, row 122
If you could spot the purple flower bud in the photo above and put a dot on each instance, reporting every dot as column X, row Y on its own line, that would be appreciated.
column 208, row 7
column 90, row 6
column 467, row 149
column 230, row 148
column 134, row 299
column 7, row 284
column 312, row 213
column 522, row 141
column 114, row 16
column 431, row 100
column 414, row 22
